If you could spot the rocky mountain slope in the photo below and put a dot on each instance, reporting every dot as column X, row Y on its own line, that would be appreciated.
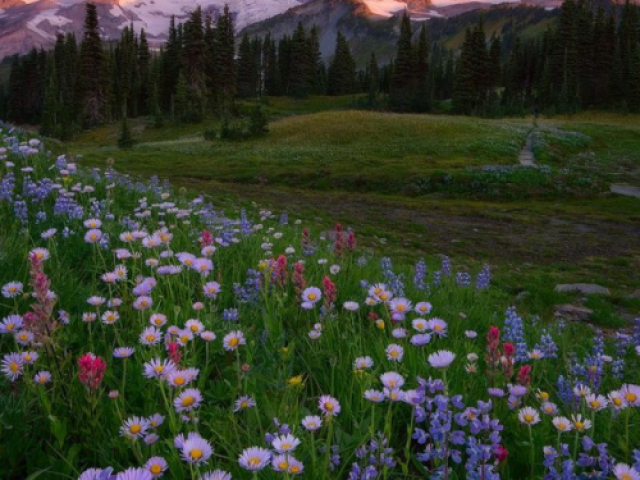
column 25, row 24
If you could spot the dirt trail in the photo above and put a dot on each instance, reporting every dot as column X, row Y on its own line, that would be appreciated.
column 526, row 157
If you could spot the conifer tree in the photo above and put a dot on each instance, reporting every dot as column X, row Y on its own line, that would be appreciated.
column 495, row 62
column 373, row 80
column 93, row 92
column 125, row 140
column 51, row 109
column 316, row 73
column 144, row 65
column 422, row 96
column 403, row 81
column 464, row 90
column 247, row 73
column 225, row 63
column 342, row 72
column 299, row 73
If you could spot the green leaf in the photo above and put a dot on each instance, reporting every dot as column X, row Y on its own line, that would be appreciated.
column 35, row 475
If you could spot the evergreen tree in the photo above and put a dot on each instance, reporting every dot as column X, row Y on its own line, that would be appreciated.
column 270, row 67
column 125, row 140
column 93, row 85
column 316, row 73
column 144, row 65
column 403, row 81
column 464, row 91
column 422, row 97
column 247, row 69
column 51, row 111
column 495, row 62
column 225, row 64
column 342, row 72
column 373, row 80
column 299, row 73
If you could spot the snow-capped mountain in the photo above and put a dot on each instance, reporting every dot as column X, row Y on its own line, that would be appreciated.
column 25, row 24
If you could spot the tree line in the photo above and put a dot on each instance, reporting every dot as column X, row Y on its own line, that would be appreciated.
column 589, row 59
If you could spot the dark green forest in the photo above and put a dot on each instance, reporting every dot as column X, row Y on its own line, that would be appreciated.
column 588, row 59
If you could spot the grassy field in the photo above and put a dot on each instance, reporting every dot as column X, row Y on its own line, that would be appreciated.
column 416, row 185
column 150, row 331
column 353, row 150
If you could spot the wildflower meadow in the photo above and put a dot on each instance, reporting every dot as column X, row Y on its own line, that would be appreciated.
column 145, row 333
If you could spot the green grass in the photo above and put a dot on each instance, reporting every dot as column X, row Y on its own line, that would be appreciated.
column 59, row 429
column 352, row 150
column 360, row 168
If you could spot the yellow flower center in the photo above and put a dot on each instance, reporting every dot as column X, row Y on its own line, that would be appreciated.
column 135, row 429
column 196, row 454
column 14, row 367
column 283, row 465
column 150, row 337
column 155, row 469
column 179, row 380
column 528, row 418
column 234, row 342
column 631, row 397
column 188, row 401
column 328, row 406
column 194, row 328
column 295, row 469
column 11, row 326
column 158, row 368
column 579, row 425
column 312, row 296
column 254, row 461
column 27, row 358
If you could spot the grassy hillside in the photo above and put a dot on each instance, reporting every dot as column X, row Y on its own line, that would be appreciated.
column 331, row 150
column 424, row 185
column 154, row 333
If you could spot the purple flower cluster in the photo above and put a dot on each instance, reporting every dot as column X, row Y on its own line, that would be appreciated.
column 373, row 458
column 250, row 291
column 593, row 461
column 420, row 275
column 483, row 279
column 449, row 430
column 514, row 333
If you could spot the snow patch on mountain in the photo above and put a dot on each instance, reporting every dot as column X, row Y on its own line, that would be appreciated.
column 154, row 15
column 48, row 18
column 385, row 8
